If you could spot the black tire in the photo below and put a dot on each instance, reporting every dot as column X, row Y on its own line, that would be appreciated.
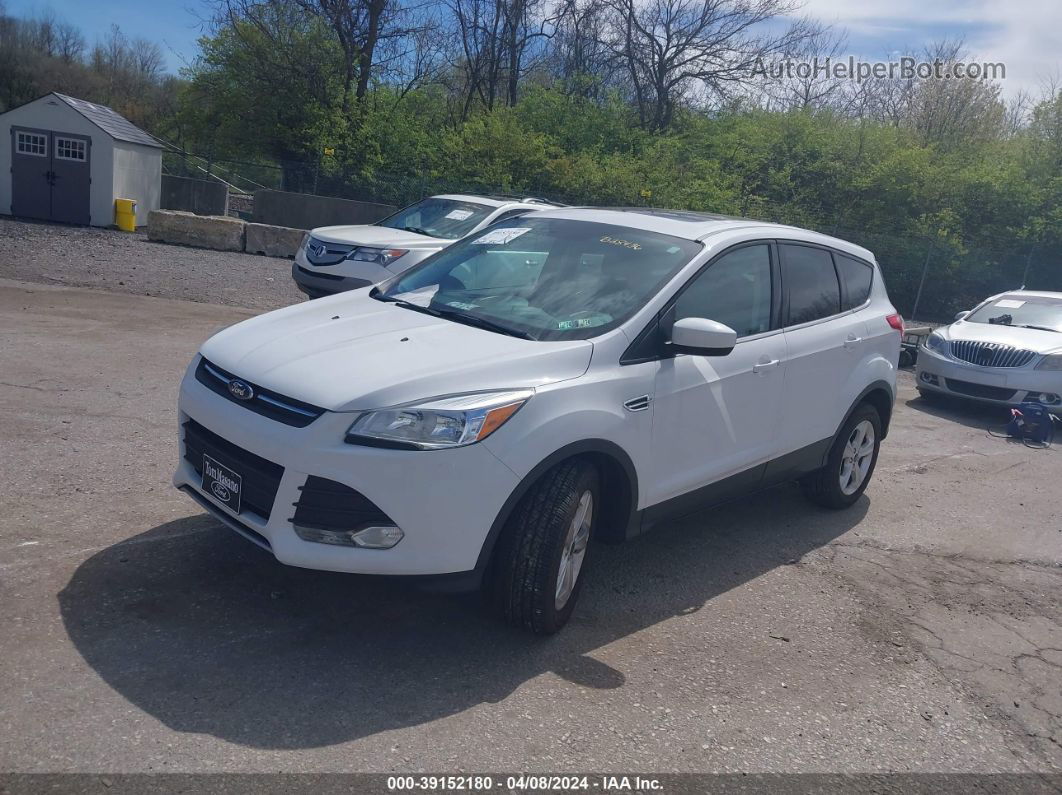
column 523, row 583
column 824, row 486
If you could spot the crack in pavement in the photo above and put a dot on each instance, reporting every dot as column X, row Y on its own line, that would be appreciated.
column 996, row 638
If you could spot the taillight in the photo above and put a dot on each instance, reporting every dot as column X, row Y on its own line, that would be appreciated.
column 896, row 322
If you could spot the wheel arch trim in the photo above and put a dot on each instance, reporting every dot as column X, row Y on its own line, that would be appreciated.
column 624, row 507
column 877, row 387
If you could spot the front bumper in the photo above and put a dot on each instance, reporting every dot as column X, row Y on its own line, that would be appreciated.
column 1001, row 386
column 320, row 284
column 445, row 501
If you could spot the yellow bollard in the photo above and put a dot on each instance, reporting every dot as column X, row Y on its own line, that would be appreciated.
column 125, row 214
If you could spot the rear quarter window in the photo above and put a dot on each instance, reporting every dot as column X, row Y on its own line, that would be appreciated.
column 857, row 277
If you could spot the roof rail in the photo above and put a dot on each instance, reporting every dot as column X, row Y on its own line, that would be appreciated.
column 521, row 198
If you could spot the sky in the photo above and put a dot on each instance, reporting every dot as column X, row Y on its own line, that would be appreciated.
column 1026, row 35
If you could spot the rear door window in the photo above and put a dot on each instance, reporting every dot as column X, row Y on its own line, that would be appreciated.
column 811, row 283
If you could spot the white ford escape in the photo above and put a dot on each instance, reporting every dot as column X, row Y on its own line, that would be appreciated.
column 567, row 375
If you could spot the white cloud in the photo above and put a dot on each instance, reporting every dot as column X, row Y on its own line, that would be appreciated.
column 1025, row 35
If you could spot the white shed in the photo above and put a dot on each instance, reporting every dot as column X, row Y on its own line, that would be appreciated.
column 65, row 159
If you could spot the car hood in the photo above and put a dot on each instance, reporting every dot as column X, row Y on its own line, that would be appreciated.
column 1029, row 339
column 372, row 235
column 351, row 352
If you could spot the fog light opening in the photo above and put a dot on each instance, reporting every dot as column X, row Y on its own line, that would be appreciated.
column 1048, row 398
column 374, row 537
column 929, row 378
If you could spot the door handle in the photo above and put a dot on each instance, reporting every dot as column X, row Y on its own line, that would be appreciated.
column 852, row 341
column 761, row 367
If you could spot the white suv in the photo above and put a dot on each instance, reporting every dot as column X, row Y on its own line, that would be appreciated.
column 567, row 375
column 332, row 259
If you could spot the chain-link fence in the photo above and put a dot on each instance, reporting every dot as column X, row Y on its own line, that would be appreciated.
column 929, row 279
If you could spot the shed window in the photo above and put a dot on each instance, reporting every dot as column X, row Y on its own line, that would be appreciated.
column 69, row 148
column 31, row 144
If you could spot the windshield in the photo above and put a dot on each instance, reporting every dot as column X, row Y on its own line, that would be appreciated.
column 545, row 278
column 447, row 218
column 1021, row 310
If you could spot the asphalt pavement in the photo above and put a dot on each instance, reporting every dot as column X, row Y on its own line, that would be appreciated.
column 920, row 630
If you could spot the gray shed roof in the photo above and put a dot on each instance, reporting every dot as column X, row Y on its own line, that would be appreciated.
column 112, row 123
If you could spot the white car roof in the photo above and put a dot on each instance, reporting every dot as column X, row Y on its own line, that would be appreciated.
column 494, row 201
column 697, row 226
column 1029, row 294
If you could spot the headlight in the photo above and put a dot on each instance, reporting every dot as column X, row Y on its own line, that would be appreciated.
column 1051, row 362
column 448, row 422
column 381, row 256
column 936, row 342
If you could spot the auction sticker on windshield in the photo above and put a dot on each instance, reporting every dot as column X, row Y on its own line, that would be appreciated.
column 499, row 237
column 459, row 215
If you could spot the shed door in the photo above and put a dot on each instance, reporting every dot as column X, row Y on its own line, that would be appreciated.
column 70, row 178
column 50, row 175
column 31, row 166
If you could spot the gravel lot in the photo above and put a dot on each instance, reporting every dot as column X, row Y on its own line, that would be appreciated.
column 130, row 263
column 919, row 631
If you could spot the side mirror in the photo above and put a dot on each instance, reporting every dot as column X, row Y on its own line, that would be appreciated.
column 702, row 337
column 960, row 315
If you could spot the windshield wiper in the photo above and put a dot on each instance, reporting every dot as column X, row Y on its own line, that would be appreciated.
column 483, row 323
column 427, row 310
column 418, row 231
column 457, row 317
column 1039, row 328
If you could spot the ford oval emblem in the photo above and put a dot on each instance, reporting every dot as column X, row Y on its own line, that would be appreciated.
column 220, row 491
column 240, row 390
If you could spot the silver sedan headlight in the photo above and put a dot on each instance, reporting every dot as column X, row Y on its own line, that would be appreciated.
column 1052, row 361
column 438, row 424
column 381, row 256
column 936, row 342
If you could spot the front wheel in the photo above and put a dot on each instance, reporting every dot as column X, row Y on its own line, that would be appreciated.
column 543, row 548
column 851, row 461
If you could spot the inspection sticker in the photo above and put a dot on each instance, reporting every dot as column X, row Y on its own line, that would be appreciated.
column 496, row 237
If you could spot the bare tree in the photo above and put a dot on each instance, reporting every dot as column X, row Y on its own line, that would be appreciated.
column 670, row 49
column 495, row 47
column 579, row 57
column 361, row 27
column 809, row 83
column 947, row 112
column 70, row 44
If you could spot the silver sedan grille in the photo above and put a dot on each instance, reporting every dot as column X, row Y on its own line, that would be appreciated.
column 319, row 252
column 990, row 354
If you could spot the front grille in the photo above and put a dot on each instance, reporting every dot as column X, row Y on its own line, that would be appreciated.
column 260, row 477
column 321, row 252
column 327, row 505
column 265, row 402
column 990, row 354
column 979, row 390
